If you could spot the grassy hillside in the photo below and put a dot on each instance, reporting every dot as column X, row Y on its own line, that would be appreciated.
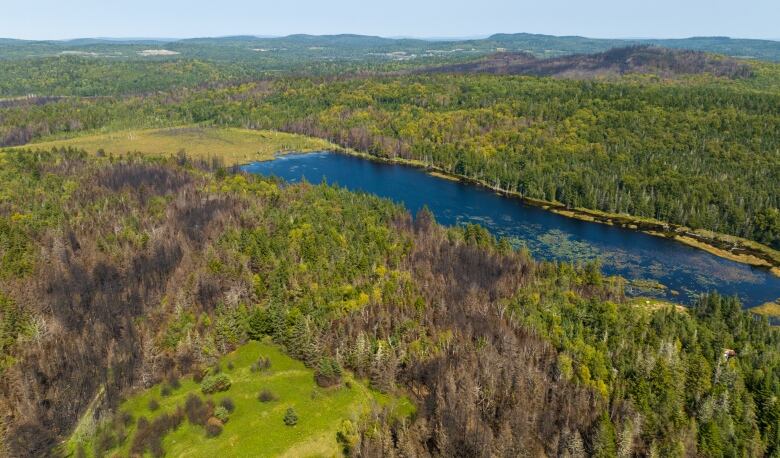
column 233, row 146
column 770, row 310
column 254, row 428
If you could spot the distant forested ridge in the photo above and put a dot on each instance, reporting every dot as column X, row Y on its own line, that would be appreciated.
column 99, row 67
column 658, row 61
column 118, row 273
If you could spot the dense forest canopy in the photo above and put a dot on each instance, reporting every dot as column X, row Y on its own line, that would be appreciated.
column 696, row 150
column 141, row 269
column 121, row 272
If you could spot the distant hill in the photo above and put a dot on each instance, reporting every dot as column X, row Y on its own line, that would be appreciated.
column 245, row 47
column 618, row 61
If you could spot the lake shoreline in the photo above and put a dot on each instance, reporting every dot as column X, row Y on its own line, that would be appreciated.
column 725, row 246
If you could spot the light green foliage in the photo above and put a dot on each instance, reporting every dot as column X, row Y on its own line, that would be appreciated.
column 669, row 364
column 255, row 428
column 222, row 414
column 215, row 383
column 14, row 323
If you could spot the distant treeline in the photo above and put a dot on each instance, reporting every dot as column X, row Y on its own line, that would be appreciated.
column 701, row 151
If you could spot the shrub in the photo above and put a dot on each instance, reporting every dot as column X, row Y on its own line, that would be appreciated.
column 174, row 383
column 222, row 414
column 153, row 405
column 105, row 441
column 230, row 365
column 290, row 417
column 165, row 391
column 198, row 374
column 149, row 436
column 262, row 364
column 215, row 383
column 126, row 418
column 197, row 411
column 266, row 396
column 213, row 427
column 228, row 404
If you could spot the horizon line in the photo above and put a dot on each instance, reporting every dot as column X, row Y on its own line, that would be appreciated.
column 390, row 37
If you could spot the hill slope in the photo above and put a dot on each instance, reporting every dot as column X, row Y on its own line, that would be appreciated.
column 615, row 62
column 116, row 275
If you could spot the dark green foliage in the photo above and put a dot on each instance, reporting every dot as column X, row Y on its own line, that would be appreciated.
column 259, row 324
column 215, row 383
column 501, row 353
column 148, row 436
column 662, row 150
column 228, row 404
column 266, row 396
column 290, row 417
column 196, row 410
column 262, row 364
column 153, row 405
column 328, row 372
column 174, row 382
column 604, row 441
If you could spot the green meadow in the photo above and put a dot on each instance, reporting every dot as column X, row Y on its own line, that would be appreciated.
column 257, row 428
column 231, row 145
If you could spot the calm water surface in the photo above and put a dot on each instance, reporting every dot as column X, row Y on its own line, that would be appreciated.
column 684, row 271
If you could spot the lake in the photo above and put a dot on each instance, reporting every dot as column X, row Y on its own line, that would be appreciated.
column 684, row 271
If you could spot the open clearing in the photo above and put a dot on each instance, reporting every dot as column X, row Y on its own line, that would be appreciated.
column 233, row 146
column 257, row 428
column 769, row 310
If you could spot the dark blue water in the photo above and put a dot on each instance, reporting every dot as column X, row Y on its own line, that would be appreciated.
column 684, row 271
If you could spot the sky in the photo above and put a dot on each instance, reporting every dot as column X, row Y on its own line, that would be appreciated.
column 61, row 19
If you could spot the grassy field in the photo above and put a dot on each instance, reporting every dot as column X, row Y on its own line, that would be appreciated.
column 233, row 146
column 769, row 310
column 256, row 428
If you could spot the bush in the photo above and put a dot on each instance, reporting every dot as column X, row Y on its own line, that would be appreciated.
column 230, row 365
column 222, row 414
column 262, row 364
column 228, row 404
column 215, row 383
column 197, row 411
column 126, row 418
column 213, row 427
column 149, row 436
column 266, row 396
column 174, row 383
column 153, row 405
column 165, row 391
column 290, row 417
column 198, row 374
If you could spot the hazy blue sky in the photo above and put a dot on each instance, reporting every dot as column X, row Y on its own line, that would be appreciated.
column 188, row 18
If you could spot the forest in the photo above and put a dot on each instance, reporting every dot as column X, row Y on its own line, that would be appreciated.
column 170, row 263
column 126, row 275
column 693, row 150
